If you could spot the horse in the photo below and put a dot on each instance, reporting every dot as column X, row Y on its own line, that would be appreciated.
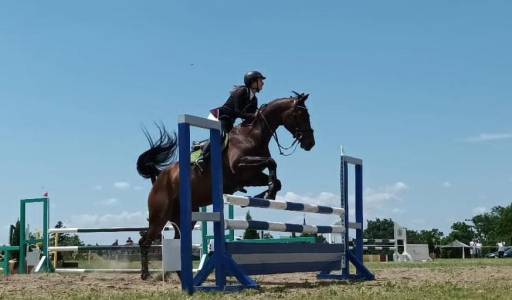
column 244, row 159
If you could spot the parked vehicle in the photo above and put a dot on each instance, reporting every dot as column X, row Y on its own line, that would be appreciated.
column 506, row 254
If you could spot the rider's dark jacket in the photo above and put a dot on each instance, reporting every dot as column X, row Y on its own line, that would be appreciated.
column 239, row 105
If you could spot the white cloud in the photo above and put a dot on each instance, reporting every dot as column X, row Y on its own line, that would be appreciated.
column 122, row 185
column 123, row 219
column 137, row 188
column 384, row 197
column 447, row 184
column 97, row 188
column 109, row 202
column 484, row 137
column 479, row 210
column 398, row 211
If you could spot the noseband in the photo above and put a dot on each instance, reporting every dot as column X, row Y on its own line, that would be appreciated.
column 298, row 133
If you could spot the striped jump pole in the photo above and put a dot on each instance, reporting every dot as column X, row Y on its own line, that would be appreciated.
column 282, row 227
column 378, row 244
column 379, row 241
column 379, row 247
column 105, row 229
column 282, row 205
column 97, row 230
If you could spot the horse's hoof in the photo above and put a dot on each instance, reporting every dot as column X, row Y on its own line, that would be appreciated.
column 270, row 196
column 145, row 275
column 277, row 185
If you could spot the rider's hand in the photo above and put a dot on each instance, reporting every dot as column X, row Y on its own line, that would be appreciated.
column 249, row 117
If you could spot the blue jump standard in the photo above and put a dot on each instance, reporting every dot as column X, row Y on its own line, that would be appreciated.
column 244, row 259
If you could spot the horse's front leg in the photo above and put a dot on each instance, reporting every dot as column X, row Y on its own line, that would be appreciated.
column 256, row 163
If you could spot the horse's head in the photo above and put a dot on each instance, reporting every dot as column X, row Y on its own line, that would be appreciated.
column 296, row 121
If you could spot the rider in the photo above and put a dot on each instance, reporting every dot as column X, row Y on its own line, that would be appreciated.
column 242, row 102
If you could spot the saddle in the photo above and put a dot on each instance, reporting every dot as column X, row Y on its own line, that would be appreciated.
column 200, row 152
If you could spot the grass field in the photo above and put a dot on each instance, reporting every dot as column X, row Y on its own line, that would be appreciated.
column 442, row 279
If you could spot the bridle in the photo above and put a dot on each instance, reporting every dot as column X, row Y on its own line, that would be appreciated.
column 298, row 133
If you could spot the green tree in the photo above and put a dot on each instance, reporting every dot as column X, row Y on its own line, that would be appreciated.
column 14, row 237
column 250, row 234
column 505, row 224
column 379, row 229
column 461, row 232
column 318, row 237
column 487, row 225
column 65, row 239
column 431, row 237
column 14, row 234
column 414, row 237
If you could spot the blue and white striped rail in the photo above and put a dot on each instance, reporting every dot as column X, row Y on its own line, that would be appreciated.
column 282, row 227
column 282, row 205
column 379, row 241
column 111, row 229
column 91, row 230
column 376, row 247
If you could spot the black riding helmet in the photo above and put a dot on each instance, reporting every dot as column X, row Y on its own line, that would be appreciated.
column 251, row 76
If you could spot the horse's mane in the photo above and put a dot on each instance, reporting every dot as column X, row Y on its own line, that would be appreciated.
column 278, row 101
column 274, row 104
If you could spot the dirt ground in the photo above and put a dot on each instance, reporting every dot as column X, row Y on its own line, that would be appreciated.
column 63, row 285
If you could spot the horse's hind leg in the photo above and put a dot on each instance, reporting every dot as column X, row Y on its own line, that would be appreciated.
column 157, row 220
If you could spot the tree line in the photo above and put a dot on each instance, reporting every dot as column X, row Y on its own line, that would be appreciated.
column 489, row 228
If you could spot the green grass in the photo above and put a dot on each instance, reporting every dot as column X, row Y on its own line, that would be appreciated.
column 442, row 279
column 441, row 263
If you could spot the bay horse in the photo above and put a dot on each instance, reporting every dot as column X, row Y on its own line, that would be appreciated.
column 244, row 159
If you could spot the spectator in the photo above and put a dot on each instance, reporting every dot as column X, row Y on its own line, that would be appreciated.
column 129, row 241
column 478, row 249
column 116, row 243
column 501, row 249
column 472, row 249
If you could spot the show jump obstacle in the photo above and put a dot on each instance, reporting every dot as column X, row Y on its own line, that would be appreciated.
column 243, row 259
column 231, row 258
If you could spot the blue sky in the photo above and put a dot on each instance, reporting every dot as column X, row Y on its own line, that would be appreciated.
column 420, row 91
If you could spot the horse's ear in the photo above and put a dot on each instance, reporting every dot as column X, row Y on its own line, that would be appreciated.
column 302, row 98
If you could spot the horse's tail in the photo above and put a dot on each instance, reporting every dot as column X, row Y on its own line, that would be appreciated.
column 162, row 153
